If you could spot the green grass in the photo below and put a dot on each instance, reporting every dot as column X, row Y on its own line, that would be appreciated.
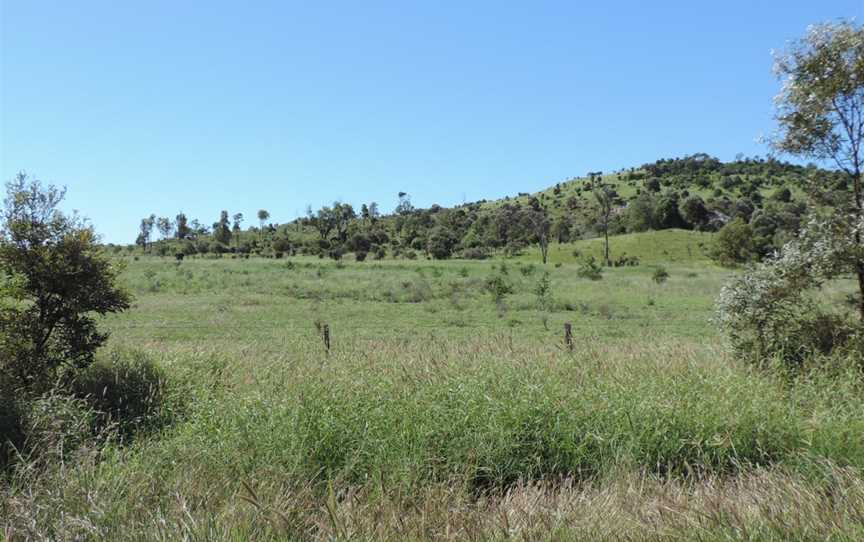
column 439, row 414
column 653, row 248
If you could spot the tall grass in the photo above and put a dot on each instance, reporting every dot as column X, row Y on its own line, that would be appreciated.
column 524, row 440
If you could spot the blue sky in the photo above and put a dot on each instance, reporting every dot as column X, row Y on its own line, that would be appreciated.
column 156, row 107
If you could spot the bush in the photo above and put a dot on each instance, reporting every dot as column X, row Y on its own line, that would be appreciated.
column 474, row 254
column 734, row 244
column 660, row 275
column 442, row 242
column 543, row 291
column 127, row 390
column 590, row 269
column 767, row 312
column 498, row 286
column 360, row 255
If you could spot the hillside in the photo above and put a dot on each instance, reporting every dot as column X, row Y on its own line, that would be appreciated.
column 696, row 193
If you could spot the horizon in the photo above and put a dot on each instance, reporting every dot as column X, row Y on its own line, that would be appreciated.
column 150, row 109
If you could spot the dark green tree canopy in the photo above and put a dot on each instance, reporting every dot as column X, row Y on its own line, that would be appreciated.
column 54, row 280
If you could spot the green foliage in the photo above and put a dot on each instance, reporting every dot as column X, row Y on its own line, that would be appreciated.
column 498, row 286
column 590, row 269
column 734, row 244
column 543, row 291
column 56, row 279
column 442, row 243
column 767, row 313
column 660, row 275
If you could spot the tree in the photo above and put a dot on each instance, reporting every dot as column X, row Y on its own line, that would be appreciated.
column 640, row 213
column 182, row 230
column 221, row 229
column 404, row 206
column 323, row 221
column 54, row 279
column 145, row 231
column 263, row 215
column 441, row 243
column 693, row 210
column 562, row 229
column 820, row 110
column 343, row 214
column 605, row 199
column 666, row 214
column 734, row 244
column 538, row 220
column 166, row 227
column 238, row 220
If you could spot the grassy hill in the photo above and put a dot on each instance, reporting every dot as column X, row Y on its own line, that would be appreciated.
column 692, row 193
column 652, row 247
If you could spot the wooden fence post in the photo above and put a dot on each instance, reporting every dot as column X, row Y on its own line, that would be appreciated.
column 568, row 336
column 326, row 329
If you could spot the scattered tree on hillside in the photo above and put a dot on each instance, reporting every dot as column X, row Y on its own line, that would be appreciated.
column 182, row 230
column 538, row 221
column 237, row 226
column 166, row 227
column 605, row 198
column 221, row 229
column 693, row 210
column 263, row 215
column 145, row 231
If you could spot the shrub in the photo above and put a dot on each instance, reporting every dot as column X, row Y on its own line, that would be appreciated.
column 442, row 242
column 767, row 313
column 590, row 269
column 660, row 275
column 360, row 255
column 543, row 291
column 498, row 286
column 734, row 244
column 474, row 253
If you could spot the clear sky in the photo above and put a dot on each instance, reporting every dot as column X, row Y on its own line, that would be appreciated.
column 143, row 107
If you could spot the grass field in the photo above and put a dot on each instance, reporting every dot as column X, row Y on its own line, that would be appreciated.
column 441, row 413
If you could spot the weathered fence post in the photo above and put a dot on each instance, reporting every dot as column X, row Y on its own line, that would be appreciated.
column 326, row 330
column 568, row 336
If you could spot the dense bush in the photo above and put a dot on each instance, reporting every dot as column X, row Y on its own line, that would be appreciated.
column 734, row 244
column 768, row 312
